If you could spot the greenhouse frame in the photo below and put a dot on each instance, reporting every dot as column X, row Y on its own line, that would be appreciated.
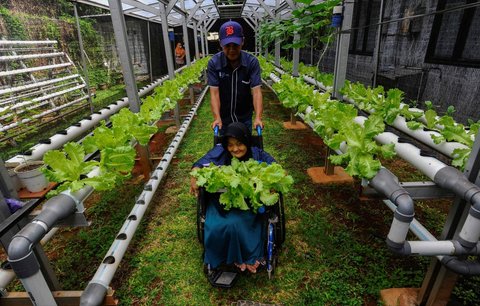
column 369, row 109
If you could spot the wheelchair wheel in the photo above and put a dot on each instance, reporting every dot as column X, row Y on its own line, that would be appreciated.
column 280, row 226
column 201, row 215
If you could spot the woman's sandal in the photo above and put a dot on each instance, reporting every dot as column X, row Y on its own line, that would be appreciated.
column 253, row 268
column 241, row 267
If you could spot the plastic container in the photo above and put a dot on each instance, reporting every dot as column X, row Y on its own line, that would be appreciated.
column 31, row 177
column 17, row 185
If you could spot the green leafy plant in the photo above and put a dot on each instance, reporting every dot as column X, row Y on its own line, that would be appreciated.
column 249, row 185
column 115, row 143
column 68, row 167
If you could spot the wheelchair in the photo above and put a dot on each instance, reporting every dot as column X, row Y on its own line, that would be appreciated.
column 274, row 229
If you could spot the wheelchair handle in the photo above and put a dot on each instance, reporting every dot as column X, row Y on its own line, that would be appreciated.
column 215, row 130
column 259, row 130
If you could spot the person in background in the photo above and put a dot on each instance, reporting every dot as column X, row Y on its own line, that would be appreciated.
column 234, row 236
column 235, row 81
column 179, row 55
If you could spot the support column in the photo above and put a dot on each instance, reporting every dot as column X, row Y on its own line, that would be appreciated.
column 202, row 40
column 82, row 54
column 168, row 54
column 195, row 35
column 149, row 52
column 376, row 54
column 277, row 52
column 341, row 54
column 340, row 69
column 206, row 41
column 120, row 31
column 186, row 42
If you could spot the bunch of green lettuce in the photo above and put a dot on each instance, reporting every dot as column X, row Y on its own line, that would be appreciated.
column 248, row 185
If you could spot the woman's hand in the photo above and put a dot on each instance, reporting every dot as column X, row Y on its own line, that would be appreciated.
column 193, row 186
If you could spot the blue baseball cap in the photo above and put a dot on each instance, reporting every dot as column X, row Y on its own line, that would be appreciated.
column 231, row 32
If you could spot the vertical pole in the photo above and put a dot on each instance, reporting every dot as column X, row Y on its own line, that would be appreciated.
column 376, row 55
column 340, row 69
column 277, row 41
column 341, row 54
column 84, row 62
column 120, row 31
column 296, row 59
column 202, row 40
column 149, row 52
column 186, row 42
column 206, row 40
column 171, row 69
column 277, row 52
column 311, row 51
column 195, row 35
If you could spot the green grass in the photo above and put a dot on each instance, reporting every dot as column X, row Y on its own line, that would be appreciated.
column 334, row 254
column 324, row 261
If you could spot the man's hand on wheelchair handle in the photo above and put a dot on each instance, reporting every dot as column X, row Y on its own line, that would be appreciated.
column 217, row 122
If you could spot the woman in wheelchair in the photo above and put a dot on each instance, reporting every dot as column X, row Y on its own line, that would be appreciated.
column 234, row 236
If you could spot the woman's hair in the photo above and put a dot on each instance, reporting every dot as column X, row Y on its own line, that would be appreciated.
column 241, row 133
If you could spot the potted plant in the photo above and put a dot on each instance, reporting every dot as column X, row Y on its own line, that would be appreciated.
column 31, row 177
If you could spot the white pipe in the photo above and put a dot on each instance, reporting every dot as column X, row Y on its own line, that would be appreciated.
column 26, row 42
column 39, row 99
column 23, row 96
column 107, row 268
column 35, row 85
column 74, row 132
column 427, row 165
column 7, row 127
column 8, row 275
column 400, row 123
column 314, row 82
column 471, row 228
column 33, row 69
column 29, row 56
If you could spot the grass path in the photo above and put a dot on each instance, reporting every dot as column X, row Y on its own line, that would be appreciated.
column 331, row 255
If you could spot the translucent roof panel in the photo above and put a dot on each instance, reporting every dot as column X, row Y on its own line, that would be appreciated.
column 144, row 14
column 201, row 10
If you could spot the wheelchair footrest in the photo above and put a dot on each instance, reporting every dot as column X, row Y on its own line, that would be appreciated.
column 222, row 279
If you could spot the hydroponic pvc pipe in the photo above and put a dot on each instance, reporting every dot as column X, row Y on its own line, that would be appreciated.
column 96, row 289
column 400, row 123
column 39, row 99
column 464, row 267
column 446, row 177
column 73, row 132
column 26, row 42
column 20, row 250
column 55, row 109
column 36, row 85
column 8, row 275
column 33, row 69
column 9, row 58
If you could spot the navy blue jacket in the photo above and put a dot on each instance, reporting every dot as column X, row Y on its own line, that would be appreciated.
column 219, row 157
column 235, row 85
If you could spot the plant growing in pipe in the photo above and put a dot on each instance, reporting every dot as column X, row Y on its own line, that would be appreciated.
column 115, row 143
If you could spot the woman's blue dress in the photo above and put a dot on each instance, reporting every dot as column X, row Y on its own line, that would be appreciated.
column 233, row 236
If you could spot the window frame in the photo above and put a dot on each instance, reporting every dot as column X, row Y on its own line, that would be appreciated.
column 460, row 41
